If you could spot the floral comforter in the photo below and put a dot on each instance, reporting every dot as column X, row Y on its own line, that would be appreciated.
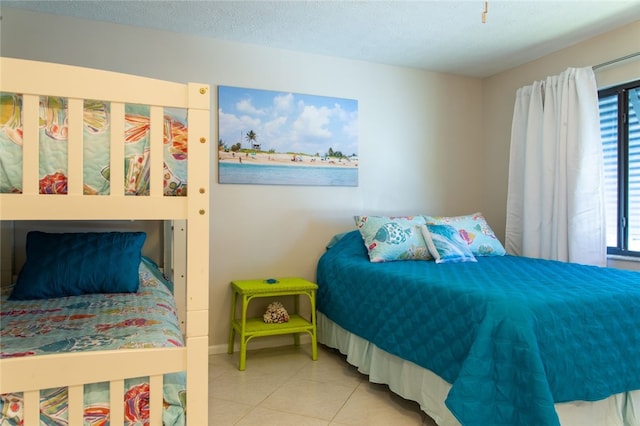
column 53, row 140
column 95, row 322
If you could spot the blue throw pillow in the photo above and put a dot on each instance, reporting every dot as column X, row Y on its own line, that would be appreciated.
column 475, row 231
column 446, row 245
column 71, row 264
column 392, row 238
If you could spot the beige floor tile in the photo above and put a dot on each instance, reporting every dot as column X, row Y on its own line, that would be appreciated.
column 249, row 388
column 331, row 367
column 226, row 413
column 283, row 386
column 374, row 404
column 285, row 360
column 220, row 364
column 266, row 371
column 265, row 417
column 308, row 398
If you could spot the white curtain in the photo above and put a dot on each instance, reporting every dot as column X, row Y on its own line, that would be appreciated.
column 555, row 201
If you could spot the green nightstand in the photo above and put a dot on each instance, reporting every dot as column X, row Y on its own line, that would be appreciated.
column 249, row 328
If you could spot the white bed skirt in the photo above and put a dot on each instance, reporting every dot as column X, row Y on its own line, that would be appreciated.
column 426, row 388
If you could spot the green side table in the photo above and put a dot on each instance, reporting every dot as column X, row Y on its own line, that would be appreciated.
column 249, row 328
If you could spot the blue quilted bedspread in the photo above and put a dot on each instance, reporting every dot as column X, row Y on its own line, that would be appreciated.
column 512, row 335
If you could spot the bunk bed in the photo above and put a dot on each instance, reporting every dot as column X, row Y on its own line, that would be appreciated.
column 54, row 120
column 488, row 340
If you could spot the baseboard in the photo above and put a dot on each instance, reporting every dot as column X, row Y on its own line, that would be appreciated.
column 261, row 343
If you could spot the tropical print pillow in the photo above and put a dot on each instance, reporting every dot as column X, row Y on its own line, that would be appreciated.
column 445, row 244
column 393, row 238
column 475, row 231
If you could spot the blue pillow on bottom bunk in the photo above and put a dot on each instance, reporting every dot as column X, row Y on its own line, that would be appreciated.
column 71, row 264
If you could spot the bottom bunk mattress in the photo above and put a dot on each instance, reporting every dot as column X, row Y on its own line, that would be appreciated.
column 95, row 322
column 512, row 336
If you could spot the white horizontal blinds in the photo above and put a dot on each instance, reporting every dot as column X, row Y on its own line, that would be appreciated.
column 116, row 160
column 620, row 133
column 609, row 135
column 75, row 147
column 30, row 144
column 156, row 157
column 634, row 169
column 619, row 157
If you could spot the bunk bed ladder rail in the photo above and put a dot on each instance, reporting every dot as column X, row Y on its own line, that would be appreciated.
column 32, row 374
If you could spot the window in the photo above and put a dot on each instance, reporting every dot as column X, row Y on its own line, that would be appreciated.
column 620, row 130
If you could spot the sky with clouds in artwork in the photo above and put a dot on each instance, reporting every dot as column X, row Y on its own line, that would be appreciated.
column 288, row 122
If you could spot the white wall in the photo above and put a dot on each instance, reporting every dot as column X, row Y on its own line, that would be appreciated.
column 499, row 97
column 420, row 139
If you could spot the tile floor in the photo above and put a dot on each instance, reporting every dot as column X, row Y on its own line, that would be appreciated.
column 283, row 386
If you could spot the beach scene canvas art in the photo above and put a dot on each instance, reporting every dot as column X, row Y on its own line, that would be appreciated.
column 281, row 138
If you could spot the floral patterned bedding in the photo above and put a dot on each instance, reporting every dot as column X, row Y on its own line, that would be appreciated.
column 53, row 128
column 95, row 322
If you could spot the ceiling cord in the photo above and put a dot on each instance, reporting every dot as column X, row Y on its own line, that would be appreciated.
column 485, row 11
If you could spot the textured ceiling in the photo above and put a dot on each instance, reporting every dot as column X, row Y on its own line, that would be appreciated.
column 445, row 36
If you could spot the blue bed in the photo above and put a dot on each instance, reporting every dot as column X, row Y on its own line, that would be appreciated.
column 512, row 336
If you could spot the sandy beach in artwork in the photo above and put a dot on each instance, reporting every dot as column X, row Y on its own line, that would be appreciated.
column 281, row 159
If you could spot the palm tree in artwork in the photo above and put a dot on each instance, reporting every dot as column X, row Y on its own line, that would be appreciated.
column 251, row 137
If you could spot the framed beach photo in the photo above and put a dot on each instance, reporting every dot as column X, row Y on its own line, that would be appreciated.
column 282, row 138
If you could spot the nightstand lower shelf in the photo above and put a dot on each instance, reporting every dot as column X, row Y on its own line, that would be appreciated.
column 257, row 327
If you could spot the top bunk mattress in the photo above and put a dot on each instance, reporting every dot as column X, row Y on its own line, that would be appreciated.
column 53, row 146
column 81, row 143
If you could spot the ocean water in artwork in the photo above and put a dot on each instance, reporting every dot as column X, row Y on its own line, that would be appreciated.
column 286, row 175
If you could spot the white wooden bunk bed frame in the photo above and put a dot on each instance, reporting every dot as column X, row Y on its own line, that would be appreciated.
column 190, row 213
